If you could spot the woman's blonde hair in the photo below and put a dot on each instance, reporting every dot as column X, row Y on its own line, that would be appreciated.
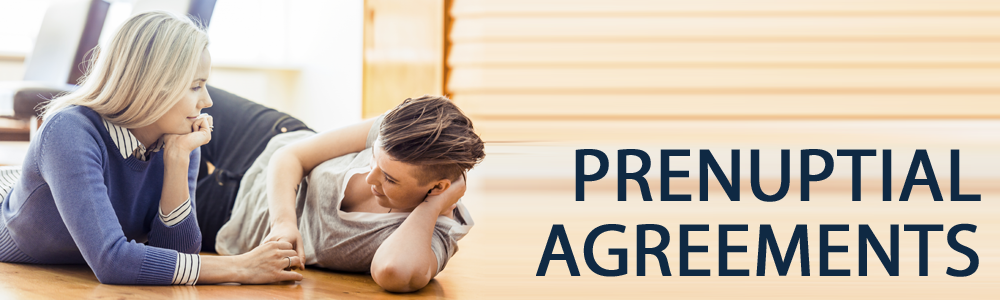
column 143, row 73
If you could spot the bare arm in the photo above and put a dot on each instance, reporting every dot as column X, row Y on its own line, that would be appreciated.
column 176, row 160
column 405, row 261
column 290, row 163
column 175, row 180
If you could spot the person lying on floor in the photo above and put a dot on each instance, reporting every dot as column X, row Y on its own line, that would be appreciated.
column 380, row 196
column 110, row 178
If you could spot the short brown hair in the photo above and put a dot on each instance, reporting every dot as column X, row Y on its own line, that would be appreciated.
column 432, row 132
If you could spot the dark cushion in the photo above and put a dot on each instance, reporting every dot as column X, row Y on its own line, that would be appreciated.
column 27, row 101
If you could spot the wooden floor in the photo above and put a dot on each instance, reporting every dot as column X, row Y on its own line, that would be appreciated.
column 523, row 189
column 498, row 260
column 78, row 282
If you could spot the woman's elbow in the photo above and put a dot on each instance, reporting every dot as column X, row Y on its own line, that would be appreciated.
column 398, row 279
column 111, row 277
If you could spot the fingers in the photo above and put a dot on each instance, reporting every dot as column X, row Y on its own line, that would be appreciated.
column 289, row 275
column 292, row 262
column 272, row 262
column 285, row 258
column 296, row 249
column 203, row 123
column 455, row 191
column 282, row 245
column 201, row 132
column 209, row 122
column 448, row 212
column 284, row 253
column 196, row 125
column 302, row 255
column 271, row 238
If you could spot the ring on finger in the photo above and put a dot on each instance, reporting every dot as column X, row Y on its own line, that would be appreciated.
column 289, row 262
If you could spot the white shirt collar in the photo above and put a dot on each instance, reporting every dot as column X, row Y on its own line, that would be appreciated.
column 127, row 144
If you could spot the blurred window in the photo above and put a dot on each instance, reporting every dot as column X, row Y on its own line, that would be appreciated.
column 250, row 32
column 19, row 24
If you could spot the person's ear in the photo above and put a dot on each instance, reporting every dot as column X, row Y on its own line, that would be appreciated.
column 439, row 187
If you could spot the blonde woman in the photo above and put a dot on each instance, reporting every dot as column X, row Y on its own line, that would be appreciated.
column 109, row 181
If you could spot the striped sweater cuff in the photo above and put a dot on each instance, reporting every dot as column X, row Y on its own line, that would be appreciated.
column 157, row 267
column 188, row 269
column 177, row 215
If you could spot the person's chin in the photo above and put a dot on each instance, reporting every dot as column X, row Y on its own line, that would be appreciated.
column 180, row 131
column 184, row 128
column 383, row 201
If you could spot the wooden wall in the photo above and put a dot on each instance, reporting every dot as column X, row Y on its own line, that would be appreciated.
column 594, row 63
column 403, row 52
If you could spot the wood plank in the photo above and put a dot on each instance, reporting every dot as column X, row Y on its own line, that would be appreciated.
column 78, row 281
column 464, row 8
column 809, row 133
column 713, row 80
column 663, row 54
column 665, row 106
column 404, row 56
column 12, row 130
column 793, row 28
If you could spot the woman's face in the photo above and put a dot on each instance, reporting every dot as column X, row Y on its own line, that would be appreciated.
column 393, row 182
column 180, row 118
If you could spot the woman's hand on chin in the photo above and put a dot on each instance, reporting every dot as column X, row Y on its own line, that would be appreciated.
column 268, row 263
column 201, row 133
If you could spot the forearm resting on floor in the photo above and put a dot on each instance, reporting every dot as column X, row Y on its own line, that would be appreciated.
column 405, row 262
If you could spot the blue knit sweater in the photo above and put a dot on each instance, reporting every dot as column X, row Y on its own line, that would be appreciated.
column 79, row 201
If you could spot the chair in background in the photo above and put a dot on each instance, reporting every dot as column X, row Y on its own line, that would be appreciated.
column 70, row 29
